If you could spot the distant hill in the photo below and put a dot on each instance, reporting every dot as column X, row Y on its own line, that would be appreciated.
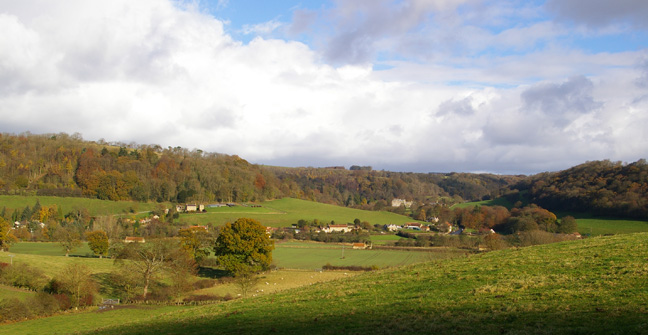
column 598, row 187
column 66, row 165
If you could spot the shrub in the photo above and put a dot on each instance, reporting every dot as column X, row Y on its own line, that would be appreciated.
column 203, row 283
column 63, row 301
column 25, row 276
column 328, row 266
column 43, row 304
column 13, row 309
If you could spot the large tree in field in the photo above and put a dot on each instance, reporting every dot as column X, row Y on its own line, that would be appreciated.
column 68, row 238
column 76, row 279
column 244, row 246
column 98, row 242
column 153, row 258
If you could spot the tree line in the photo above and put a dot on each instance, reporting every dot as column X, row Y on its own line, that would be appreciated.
column 66, row 165
column 599, row 187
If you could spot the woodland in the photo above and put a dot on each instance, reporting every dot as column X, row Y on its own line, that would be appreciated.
column 67, row 165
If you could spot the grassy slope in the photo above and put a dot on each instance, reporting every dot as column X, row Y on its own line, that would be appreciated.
column 592, row 286
column 284, row 212
column 52, row 265
column 67, row 204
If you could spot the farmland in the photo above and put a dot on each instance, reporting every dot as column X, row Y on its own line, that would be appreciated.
column 67, row 204
column 314, row 255
column 592, row 286
column 287, row 211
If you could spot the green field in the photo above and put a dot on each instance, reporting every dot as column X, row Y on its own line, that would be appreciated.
column 67, row 204
column 605, row 226
column 284, row 212
column 290, row 255
column 591, row 286
column 12, row 292
column 49, row 249
column 52, row 265
column 385, row 239
column 493, row 202
column 315, row 255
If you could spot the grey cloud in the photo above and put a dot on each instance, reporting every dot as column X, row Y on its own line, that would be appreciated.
column 213, row 118
column 362, row 24
column 302, row 21
column 601, row 13
column 561, row 101
column 642, row 81
column 461, row 107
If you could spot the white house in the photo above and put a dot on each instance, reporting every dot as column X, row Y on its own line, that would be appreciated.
column 399, row 202
column 337, row 228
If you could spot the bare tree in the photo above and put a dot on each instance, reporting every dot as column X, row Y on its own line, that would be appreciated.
column 153, row 258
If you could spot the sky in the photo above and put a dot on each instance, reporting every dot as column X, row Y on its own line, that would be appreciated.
column 506, row 87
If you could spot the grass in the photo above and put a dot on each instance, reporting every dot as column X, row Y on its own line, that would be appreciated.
column 49, row 249
column 493, row 202
column 284, row 212
column 67, row 204
column 278, row 280
column 385, row 239
column 591, row 286
column 52, row 265
column 313, row 256
column 13, row 292
column 605, row 226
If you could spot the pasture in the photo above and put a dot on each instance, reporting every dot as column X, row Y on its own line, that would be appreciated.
column 312, row 256
column 287, row 211
column 67, row 204
column 590, row 286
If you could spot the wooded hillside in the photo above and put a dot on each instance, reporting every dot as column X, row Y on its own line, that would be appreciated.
column 66, row 165
column 599, row 187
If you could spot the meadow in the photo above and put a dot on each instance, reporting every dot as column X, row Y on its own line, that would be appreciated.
column 287, row 211
column 591, row 286
column 67, row 204
column 312, row 256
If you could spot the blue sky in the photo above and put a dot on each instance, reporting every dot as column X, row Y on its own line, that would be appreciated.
column 407, row 85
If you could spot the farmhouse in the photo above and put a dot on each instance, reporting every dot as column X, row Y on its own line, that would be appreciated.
column 399, row 202
column 392, row 227
column 359, row 246
column 415, row 226
column 337, row 228
column 134, row 239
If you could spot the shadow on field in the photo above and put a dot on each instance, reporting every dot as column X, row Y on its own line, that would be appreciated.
column 207, row 272
column 295, row 320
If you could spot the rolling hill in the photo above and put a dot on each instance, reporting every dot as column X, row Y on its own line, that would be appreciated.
column 592, row 286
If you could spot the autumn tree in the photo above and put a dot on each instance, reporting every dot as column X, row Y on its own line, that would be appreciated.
column 76, row 280
column 98, row 242
column 152, row 259
column 68, row 238
column 567, row 225
column 243, row 246
column 6, row 238
column 196, row 241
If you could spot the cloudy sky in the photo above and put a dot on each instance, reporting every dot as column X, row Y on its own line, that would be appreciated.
column 409, row 85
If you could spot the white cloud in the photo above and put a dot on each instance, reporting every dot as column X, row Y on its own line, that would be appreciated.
column 263, row 29
column 157, row 72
